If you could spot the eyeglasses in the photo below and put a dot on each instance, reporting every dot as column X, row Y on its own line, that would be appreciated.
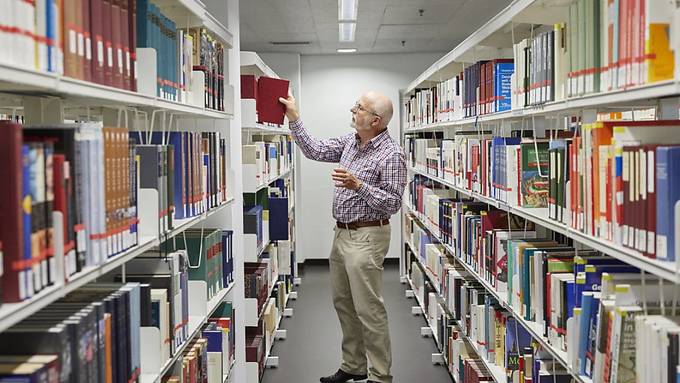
column 358, row 106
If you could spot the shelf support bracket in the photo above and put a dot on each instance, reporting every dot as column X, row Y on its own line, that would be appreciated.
column 416, row 310
column 425, row 332
column 409, row 293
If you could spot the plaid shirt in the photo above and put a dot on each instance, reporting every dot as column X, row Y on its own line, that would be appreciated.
column 380, row 165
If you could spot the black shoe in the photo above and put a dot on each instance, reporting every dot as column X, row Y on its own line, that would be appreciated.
column 342, row 377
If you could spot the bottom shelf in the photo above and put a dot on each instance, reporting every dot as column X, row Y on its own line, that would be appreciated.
column 194, row 329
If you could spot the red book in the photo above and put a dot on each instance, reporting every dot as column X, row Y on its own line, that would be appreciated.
column 248, row 86
column 97, row 34
column 116, row 40
column 11, row 226
column 132, row 31
column 628, row 189
column 107, row 34
column 87, row 39
column 268, row 107
column 125, row 44
column 61, row 198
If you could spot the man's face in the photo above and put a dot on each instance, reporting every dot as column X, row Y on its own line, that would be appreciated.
column 363, row 117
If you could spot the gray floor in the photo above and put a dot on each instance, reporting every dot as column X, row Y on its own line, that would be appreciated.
column 312, row 348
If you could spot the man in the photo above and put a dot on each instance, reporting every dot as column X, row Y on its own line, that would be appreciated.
column 369, row 186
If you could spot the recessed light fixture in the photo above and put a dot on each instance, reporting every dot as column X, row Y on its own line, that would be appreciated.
column 347, row 50
column 347, row 32
column 347, row 10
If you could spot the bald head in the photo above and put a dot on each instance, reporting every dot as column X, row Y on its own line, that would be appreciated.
column 381, row 104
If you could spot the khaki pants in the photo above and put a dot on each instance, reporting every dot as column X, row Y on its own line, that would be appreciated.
column 356, row 266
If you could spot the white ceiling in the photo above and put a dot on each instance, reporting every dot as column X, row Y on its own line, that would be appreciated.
column 382, row 25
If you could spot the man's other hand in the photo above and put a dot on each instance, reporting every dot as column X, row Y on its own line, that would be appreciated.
column 291, row 109
column 345, row 179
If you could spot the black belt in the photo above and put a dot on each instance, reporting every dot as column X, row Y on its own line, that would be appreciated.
column 359, row 224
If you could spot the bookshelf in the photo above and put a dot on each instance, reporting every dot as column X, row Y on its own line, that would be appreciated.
column 556, row 95
column 50, row 98
column 196, row 322
column 13, row 313
column 268, row 171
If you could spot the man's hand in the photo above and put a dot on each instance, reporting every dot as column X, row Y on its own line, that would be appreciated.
column 345, row 179
column 291, row 109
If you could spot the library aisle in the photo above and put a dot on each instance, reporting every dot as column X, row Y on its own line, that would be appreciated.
column 312, row 348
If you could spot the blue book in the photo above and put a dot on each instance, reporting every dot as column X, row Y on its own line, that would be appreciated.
column 591, row 344
column 278, row 219
column 144, row 12
column 227, row 257
column 592, row 278
column 667, row 197
column 252, row 222
column 584, row 327
column 502, row 86
column 26, row 198
column 571, row 299
column 214, row 338
column 516, row 339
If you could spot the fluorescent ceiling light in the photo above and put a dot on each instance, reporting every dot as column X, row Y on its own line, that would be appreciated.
column 347, row 10
column 347, row 32
column 347, row 50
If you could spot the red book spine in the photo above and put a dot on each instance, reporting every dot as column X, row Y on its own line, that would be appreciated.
column 125, row 44
column 132, row 30
column 628, row 166
column 116, row 40
column 87, row 40
column 107, row 34
column 11, row 226
column 97, row 35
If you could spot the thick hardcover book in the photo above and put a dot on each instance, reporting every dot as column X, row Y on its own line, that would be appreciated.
column 132, row 34
column 125, row 43
column 85, row 24
column 667, row 197
column 117, row 44
column 269, row 90
column 11, row 226
column 278, row 219
column 97, row 35
column 107, row 36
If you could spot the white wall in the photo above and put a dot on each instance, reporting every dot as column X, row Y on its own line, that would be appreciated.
column 331, row 84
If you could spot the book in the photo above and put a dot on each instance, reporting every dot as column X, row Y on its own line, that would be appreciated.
column 269, row 90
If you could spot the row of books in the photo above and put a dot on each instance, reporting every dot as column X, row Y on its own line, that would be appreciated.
column 189, row 170
column 618, row 44
column 260, row 99
column 97, row 41
column 57, row 171
column 209, row 358
column 482, row 88
column 93, row 335
column 270, row 155
column 612, row 179
column 462, row 363
column 210, row 254
column 603, row 46
column 544, row 282
column 179, row 52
